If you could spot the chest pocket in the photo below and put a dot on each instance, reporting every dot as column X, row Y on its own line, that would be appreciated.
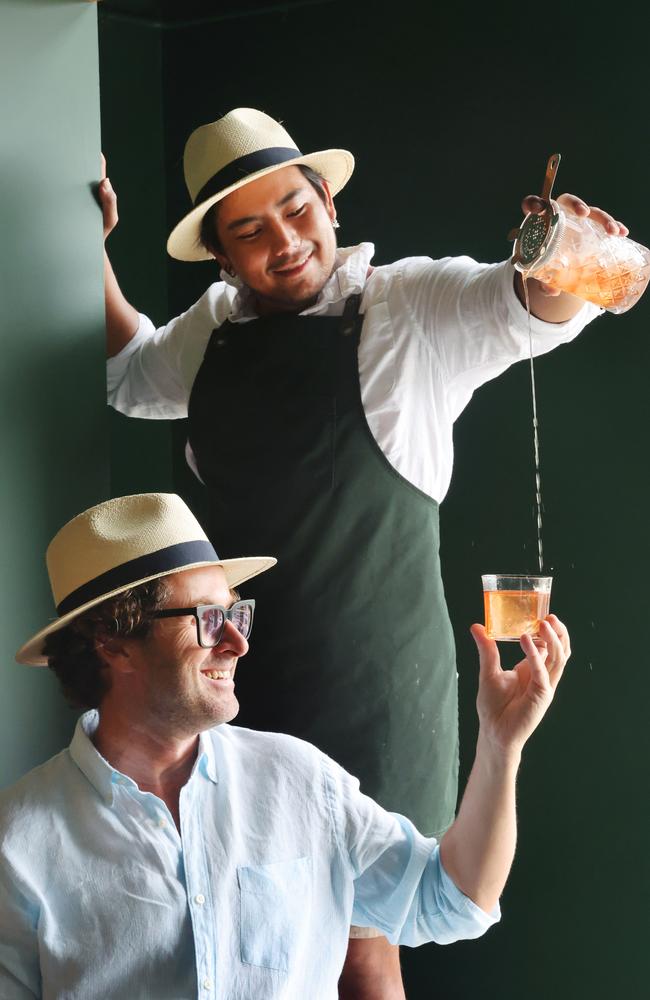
column 275, row 903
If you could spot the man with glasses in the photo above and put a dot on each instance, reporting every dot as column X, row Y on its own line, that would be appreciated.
column 166, row 854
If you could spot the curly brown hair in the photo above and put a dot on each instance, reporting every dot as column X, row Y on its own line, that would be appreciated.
column 72, row 651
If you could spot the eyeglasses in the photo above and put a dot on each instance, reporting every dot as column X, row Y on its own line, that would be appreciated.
column 211, row 620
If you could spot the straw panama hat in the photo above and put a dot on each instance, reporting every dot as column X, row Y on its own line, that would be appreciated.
column 120, row 544
column 239, row 148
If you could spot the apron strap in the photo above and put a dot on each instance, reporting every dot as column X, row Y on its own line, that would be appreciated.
column 350, row 314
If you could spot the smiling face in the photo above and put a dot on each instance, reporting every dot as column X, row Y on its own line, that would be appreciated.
column 178, row 686
column 276, row 234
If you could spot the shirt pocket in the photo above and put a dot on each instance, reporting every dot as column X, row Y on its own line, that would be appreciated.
column 275, row 899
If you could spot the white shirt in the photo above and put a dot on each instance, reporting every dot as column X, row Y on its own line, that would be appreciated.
column 433, row 332
column 101, row 898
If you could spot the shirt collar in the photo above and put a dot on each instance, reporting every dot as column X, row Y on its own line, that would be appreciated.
column 103, row 776
column 87, row 758
column 205, row 758
column 348, row 278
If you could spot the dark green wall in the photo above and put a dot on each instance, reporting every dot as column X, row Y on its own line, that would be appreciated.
column 452, row 115
column 133, row 139
column 54, row 443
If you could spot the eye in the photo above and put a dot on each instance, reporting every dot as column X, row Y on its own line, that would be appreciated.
column 211, row 623
column 297, row 211
column 241, row 617
column 249, row 236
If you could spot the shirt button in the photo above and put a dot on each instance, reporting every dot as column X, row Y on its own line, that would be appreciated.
column 199, row 898
column 162, row 821
column 207, row 984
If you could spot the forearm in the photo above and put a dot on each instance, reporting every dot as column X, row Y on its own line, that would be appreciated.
column 550, row 308
column 122, row 320
column 478, row 849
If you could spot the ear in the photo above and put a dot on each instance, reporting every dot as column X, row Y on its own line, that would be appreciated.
column 115, row 654
column 224, row 263
column 329, row 201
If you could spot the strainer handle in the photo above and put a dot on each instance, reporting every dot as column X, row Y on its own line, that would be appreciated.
column 549, row 176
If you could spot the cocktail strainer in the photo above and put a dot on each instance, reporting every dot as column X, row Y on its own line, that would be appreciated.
column 577, row 253
column 538, row 228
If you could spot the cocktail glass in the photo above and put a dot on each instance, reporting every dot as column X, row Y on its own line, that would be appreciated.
column 515, row 605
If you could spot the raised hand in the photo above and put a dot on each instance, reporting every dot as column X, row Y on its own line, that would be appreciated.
column 512, row 703
column 107, row 200
column 571, row 203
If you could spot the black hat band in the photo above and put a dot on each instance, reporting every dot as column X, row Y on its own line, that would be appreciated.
column 173, row 558
column 243, row 166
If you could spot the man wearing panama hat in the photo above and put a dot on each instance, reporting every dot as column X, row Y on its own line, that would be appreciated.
column 166, row 854
column 321, row 394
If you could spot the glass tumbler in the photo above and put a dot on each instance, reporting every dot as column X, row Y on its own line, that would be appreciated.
column 515, row 605
column 581, row 257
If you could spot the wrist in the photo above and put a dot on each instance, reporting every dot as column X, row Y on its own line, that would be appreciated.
column 496, row 757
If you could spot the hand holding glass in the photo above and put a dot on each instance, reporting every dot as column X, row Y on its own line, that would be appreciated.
column 582, row 258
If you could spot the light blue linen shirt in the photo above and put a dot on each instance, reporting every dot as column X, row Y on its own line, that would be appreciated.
column 279, row 852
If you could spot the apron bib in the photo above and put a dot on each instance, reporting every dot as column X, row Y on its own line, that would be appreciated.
column 352, row 647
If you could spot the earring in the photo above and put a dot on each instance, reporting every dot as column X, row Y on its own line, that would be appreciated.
column 335, row 224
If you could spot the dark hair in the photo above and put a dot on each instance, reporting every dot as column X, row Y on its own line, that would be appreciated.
column 72, row 653
column 208, row 238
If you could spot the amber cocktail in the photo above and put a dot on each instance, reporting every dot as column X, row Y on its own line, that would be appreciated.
column 515, row 605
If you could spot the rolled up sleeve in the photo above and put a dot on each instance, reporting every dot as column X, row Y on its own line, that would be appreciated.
column 153, row 375
column 400, row 885
column 141, row 383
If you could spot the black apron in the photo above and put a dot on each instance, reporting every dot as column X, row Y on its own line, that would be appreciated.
column 352, row 647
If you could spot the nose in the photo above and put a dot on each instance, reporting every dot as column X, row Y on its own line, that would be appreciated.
column 283, row 237
column 232, row 641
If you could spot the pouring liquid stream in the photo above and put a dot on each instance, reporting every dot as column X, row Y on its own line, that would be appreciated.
column 538, row 481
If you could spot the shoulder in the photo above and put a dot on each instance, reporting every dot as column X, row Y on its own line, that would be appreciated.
column 279, row 758
column 273, row 746
column 426, row 269
column 214, row 306
column 43, row 791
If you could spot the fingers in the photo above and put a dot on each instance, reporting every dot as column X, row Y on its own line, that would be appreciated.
column 107, row 195
column 488, row 652
column 108, row 202
column 574, row 204
column 537, row 655
column 560, row 629
column 534, row 204
column 480, row 636
column 107, row 199
column 548, row 654
column 598, row 215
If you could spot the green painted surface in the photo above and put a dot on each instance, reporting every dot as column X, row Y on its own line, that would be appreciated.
column 53, row 439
